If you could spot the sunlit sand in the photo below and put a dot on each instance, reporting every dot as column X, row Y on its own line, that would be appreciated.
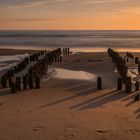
column 69, row 106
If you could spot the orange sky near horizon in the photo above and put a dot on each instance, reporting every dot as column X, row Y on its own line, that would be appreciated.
column 70, row 15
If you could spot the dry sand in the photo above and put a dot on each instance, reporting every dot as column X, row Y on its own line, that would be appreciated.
column 67, row 108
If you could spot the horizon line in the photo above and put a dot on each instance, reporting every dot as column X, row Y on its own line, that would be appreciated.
column 69, row 30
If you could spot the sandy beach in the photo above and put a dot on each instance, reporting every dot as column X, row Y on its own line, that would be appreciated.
column 68, row 105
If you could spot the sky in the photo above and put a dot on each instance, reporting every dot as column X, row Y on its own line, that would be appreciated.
column 70, row 14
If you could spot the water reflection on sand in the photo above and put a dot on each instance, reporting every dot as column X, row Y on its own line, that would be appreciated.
column 76, row 75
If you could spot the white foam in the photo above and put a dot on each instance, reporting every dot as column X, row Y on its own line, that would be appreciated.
column 10, row 60
column 133, row 73
column 12, row 57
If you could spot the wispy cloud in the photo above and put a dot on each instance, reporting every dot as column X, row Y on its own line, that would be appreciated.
column 31, row 4
column 103, row 1
column 37, row 19
column 41, row 3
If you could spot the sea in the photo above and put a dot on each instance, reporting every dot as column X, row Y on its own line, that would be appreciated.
column 81, row 41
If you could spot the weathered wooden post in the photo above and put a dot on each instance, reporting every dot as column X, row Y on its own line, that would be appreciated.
column 137, row 86
column 10, row 82
column 54, row 59
column 124, row 73
column 136, row 60
column 68, row 51
column 139, row 68
column 99, row 83
column 128, row 85
column 37, row 82
column 15, row 69
column 30, row 82
column 18, row 83
column 137, row 97
column 24, row 82
column 120, row 82
column 4, row 82
column 60, row 58
column 127, row 60
column 89, row 60
column 13, row 87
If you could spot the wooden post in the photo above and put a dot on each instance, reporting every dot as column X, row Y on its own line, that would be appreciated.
column 18, row 83
column 30, row 82
column 137, row 97
column 99, row 83
column 10, row 82
column 24, row 82
column 136, row 60
column 4, row 82
column 60, row 58
column 13, row 87
column 68, row 51
column 139, row 68
column 128, row 85
column 127, row 60
column 120, row 81
column 137, row 86
column 15, row 69
column 37, row 82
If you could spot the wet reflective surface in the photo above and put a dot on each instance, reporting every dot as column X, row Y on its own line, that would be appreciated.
column 76, row 75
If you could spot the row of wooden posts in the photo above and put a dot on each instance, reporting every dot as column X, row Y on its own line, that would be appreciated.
column 32, row 78
column 136, row 60
column 130, row 55
column 128, row 88
column 94, row 60
column 66, row 51
column 13, row 71
column 120, row 64
column 123, row 69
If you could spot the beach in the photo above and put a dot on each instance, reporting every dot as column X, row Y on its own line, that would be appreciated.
column 68, row 105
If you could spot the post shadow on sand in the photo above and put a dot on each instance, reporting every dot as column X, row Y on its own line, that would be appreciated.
column 84, row 89
column 93, row 99
column 137, row 112
column 130, row 98
column 73, row 85
column 94, row 103
column 85, row 92
column 64, row 84
column 82, row 86
column 116, row 95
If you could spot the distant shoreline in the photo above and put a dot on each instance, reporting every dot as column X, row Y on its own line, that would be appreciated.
column 11, row 51
column 15, row 51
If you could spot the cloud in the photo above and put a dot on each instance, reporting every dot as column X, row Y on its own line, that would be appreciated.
column 37, row 19
column 41, row 3
column 31, row 4
column 98, row 1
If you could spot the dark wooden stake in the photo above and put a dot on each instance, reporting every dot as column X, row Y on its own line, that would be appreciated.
column 120, row 82
column 99, row 83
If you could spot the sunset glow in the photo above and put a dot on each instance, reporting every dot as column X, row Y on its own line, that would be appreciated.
column 70, row 14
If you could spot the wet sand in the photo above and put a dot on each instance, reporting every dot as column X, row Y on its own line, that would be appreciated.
column 15, row 51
